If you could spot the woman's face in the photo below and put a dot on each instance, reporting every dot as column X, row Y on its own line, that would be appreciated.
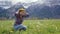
column 23, row 12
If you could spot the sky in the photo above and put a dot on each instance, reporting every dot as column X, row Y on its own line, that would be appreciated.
column 26, row 1
column 23, row 1
column 20, row 0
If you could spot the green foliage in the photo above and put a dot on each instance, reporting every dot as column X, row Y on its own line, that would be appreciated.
column 33, row 27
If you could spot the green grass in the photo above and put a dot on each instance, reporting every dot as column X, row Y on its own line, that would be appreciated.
column 33, row 27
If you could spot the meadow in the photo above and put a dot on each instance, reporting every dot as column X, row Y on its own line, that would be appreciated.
column 51, row 26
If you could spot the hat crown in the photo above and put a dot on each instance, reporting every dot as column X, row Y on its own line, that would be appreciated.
column 21, row 9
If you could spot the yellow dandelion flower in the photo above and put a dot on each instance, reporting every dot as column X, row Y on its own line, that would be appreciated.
column 11, row 31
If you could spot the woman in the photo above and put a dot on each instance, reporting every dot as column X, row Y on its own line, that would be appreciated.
column 20, row 15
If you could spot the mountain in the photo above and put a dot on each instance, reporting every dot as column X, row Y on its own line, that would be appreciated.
column 13, row 9
column 2, row 12
column 5, row 4
column 34, row 9
column 9, row 13
column 43, row 11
